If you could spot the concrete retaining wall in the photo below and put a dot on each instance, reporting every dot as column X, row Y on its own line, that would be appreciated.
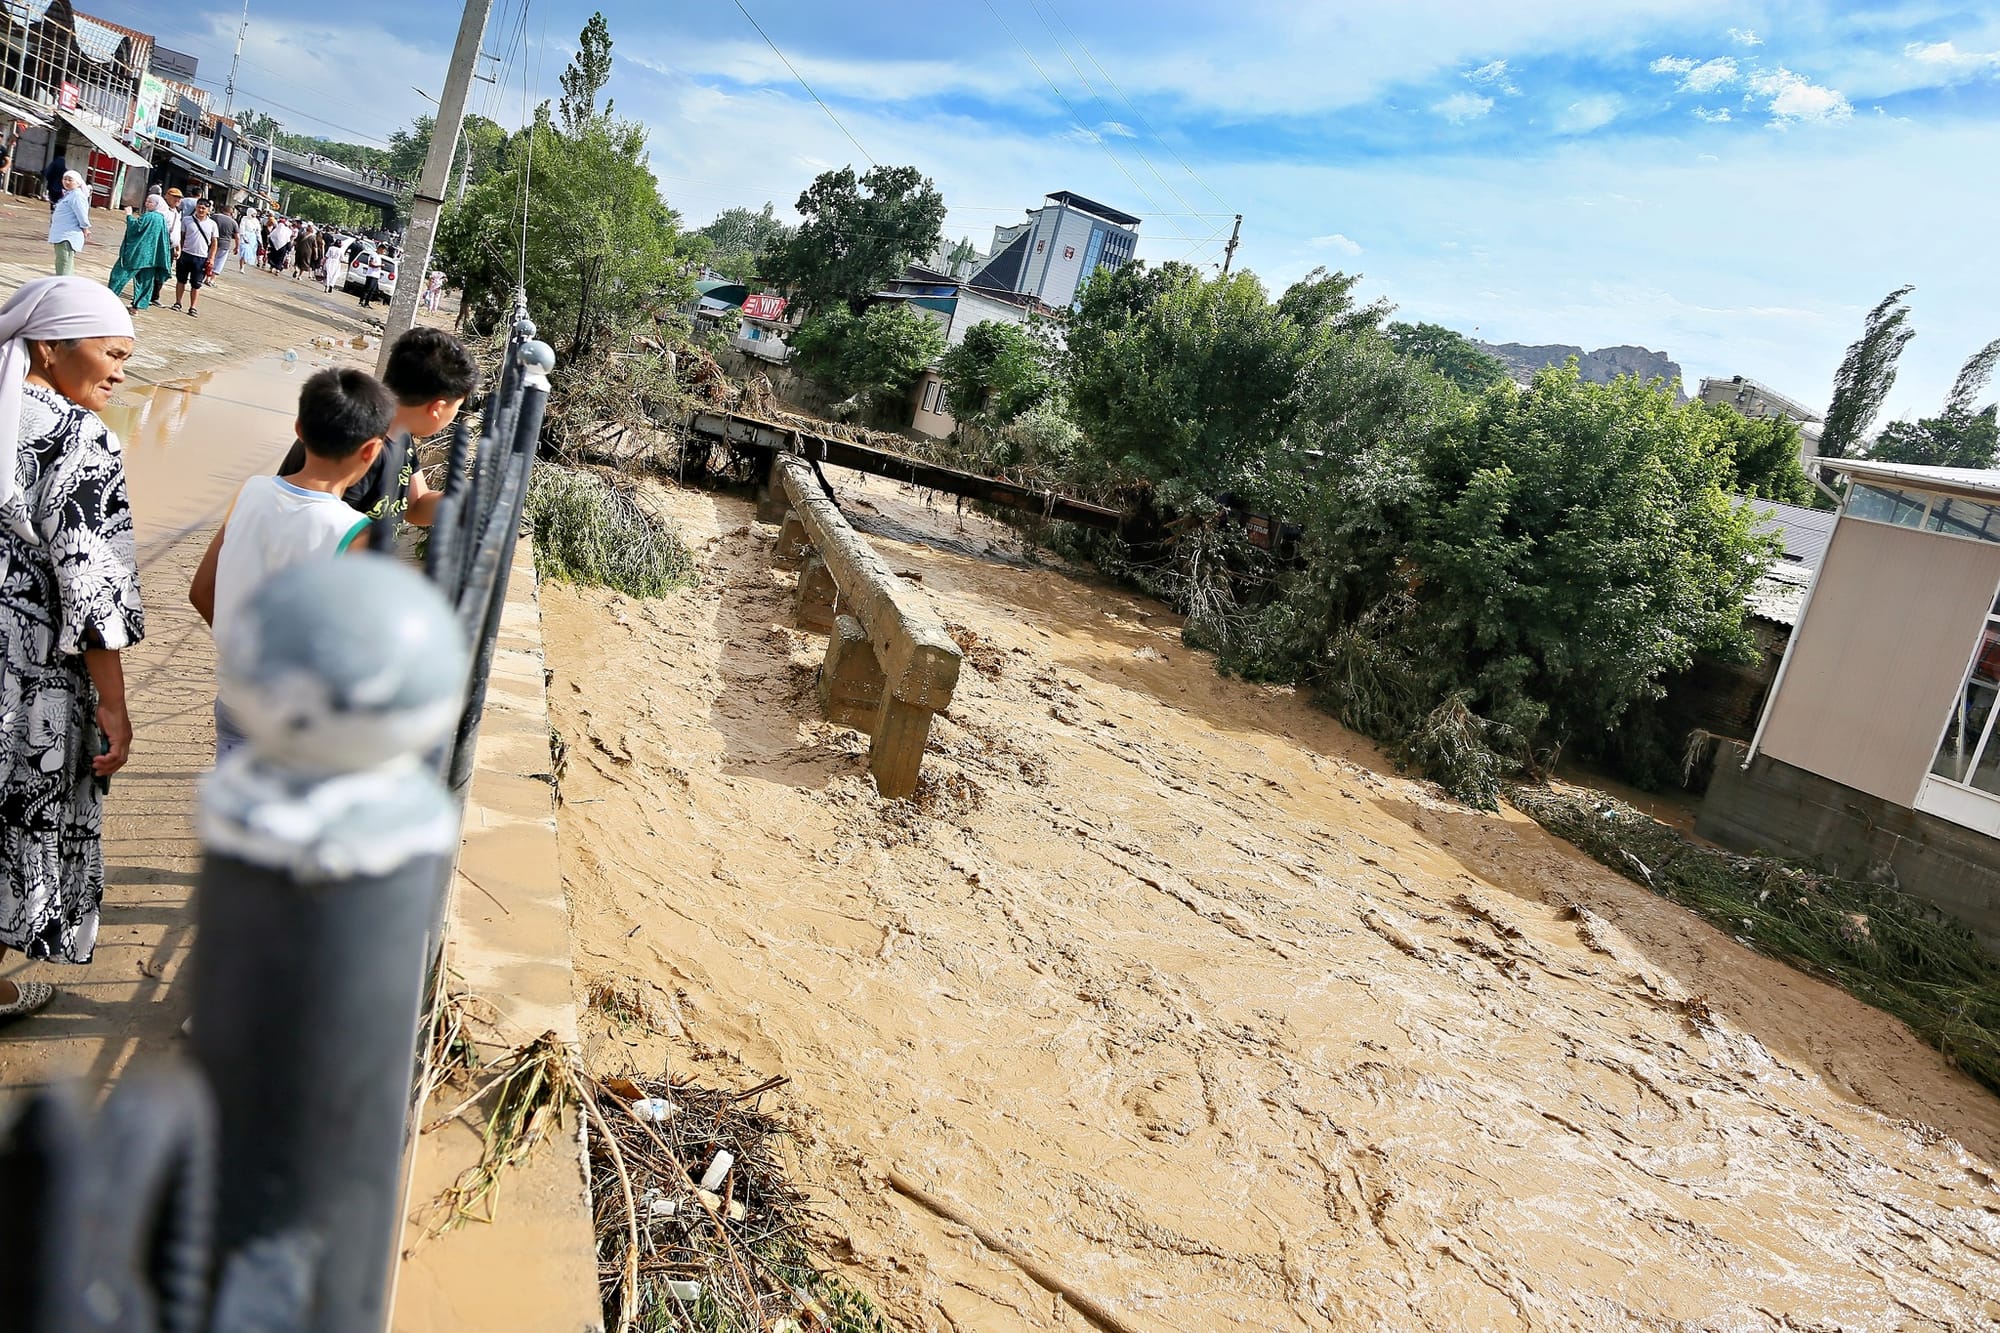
column 1775, row 807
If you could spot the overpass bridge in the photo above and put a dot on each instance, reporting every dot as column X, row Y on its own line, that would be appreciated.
column 320, row 173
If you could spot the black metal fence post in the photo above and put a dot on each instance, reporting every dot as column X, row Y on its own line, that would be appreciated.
column 327, row 845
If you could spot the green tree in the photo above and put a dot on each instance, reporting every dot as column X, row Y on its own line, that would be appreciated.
column 1955, row 439
column 998, row 371
column 409, row 147
column 739, row 238
column 586, row 76
column 875, row 356
column 1962, row 435
column 329, row 209
column 1762, row 453
column 1182, row 380
column 1322, row 303
column 1449, row 353
column 857, row 235
column 602, row 248
column 962, row 253
column 1866, row 374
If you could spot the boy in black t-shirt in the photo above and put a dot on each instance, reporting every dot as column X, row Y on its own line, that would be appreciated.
column 431, row 375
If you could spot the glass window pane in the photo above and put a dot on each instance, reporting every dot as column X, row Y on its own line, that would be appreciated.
column 1959, row 751
column 1884, row 505
column 1964, row 518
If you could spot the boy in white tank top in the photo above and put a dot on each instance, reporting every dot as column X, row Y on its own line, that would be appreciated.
column 278, row 522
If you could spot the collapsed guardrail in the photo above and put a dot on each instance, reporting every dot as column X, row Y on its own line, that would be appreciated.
column 889, row 665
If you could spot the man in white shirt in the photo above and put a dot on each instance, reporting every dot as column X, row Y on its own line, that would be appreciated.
column 198, row 255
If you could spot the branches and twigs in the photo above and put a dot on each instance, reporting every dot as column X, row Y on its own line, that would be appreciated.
column 1866, row 374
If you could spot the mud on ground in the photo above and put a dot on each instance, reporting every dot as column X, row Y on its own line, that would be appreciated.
column 1176, row 986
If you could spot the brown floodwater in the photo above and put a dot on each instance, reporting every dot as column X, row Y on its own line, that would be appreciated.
column 1176, row 986
column 190, row 442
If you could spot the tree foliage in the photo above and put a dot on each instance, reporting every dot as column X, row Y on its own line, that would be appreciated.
column 857, row 235
column 1762, row 455
column 875, row 356
column 602, row 248
column 586, row 76
column 740, row 238
column 1953, row 439
column 1866, row 374
column 998, row 372
column 1449, row 353
column 1973, row 377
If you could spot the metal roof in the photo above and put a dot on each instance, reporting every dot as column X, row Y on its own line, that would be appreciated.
column 1970, row 483
column 1105, row 211
column 1805, row 532
column 1780, row 594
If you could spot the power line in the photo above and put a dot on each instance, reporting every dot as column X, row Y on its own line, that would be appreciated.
column 1137, row 114
column 803, row 84
column 1084, row 79
column 1077, row 116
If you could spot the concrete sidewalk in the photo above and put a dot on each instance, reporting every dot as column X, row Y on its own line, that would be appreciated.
column 186, row 453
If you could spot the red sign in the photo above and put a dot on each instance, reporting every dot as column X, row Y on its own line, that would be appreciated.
column 71, row 97
column 764, row 307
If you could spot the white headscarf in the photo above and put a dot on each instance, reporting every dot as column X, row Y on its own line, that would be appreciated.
column 44, row 309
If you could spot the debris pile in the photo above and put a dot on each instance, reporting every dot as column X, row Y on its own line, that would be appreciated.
column 698, row 1226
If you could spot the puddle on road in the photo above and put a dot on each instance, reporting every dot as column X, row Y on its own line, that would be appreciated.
column 190, row 441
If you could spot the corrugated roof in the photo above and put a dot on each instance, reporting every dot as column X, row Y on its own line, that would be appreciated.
column 98, row 41
column 1780, row 595
column 1805, row 532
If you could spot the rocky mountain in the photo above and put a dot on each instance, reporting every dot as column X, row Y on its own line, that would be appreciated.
column 1598, row 367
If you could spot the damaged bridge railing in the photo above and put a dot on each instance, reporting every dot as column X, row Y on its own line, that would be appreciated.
column 259, row 1184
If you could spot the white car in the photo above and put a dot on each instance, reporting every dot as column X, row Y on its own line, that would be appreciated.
column 390, row 263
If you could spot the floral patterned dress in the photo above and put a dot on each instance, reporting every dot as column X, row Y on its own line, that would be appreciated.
column 75, row 588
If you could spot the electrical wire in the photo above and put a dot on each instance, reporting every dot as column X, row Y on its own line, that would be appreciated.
column 1077, row 116
column 1137, row 114
column 528, row 167
column 803, row 84
column 1103, row 106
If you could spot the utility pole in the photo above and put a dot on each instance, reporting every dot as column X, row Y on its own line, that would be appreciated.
column 422, row 231
column 229, row 89
column 1229, row 251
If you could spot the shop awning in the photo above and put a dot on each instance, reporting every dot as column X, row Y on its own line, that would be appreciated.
column 15, row 108
column 102, row 141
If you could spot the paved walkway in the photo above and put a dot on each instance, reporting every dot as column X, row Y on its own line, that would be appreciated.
column 187, row 450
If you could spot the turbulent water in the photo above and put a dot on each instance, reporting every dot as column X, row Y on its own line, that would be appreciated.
column 1173, row 987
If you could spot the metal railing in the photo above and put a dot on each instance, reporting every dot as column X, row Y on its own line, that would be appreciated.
column 259, row 1184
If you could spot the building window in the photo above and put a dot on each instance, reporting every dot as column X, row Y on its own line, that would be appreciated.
column 1069, row 252
column 1881, row 504
column 1969, row 755
column 930, row 395
column 1964, row 518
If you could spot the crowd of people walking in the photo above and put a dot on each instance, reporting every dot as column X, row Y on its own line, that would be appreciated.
column 187, row 240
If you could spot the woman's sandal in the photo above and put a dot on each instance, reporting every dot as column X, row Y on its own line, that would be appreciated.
column 29, row 996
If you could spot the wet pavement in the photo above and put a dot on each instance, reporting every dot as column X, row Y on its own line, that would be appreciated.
column 189, row 444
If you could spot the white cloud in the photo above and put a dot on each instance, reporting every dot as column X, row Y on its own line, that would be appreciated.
column 1337, row 242
column 1947, row 56
column 1117, row 130
column 1588, row 113
column 1493, row 74
column 1745, row 37
column 1710, row 75
column 1698, row 76
column 1713, row 117
column 1461, row 107
column 1797, row 99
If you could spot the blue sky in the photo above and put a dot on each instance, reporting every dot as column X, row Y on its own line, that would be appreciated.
column 1733, row 183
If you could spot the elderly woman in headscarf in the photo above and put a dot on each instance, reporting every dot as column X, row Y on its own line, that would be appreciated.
column 69, row 222
column 69, row 601
column 146, row 258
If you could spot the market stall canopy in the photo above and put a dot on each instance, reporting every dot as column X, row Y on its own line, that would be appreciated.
column 101, row 140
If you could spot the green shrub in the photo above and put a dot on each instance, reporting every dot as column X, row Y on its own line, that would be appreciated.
column 589, row 531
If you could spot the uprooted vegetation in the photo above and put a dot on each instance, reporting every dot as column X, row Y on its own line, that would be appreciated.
column 1880, row 944
column 698, row 1225
column 589, row 528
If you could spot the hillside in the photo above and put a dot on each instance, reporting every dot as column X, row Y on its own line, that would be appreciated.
column 1599, row 367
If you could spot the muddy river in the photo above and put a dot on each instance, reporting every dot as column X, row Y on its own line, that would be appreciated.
column 1179, row 989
